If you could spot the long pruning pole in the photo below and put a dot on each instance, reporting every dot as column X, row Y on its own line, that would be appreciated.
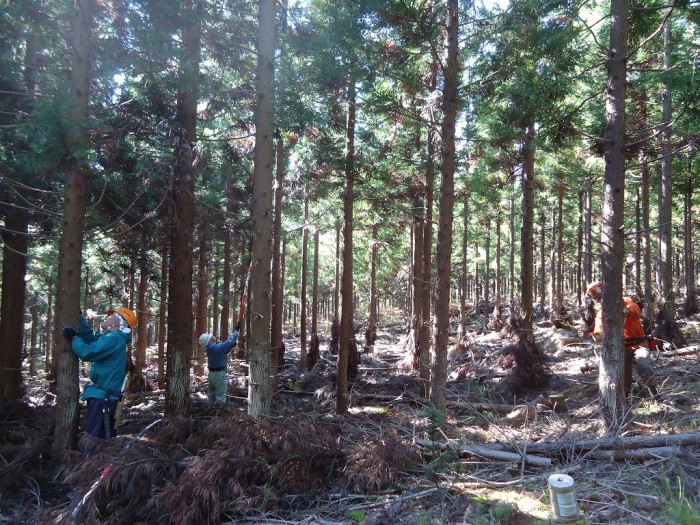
column 244, row 297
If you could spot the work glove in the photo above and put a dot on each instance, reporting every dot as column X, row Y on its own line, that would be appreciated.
column 69, row 332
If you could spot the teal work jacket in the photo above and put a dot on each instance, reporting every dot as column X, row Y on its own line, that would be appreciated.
column 107, row 353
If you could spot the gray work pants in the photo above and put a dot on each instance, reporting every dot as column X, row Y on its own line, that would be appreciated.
column 218, row 386
column 640, row 358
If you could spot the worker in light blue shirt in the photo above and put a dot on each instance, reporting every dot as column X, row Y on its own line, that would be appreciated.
column 216, row 359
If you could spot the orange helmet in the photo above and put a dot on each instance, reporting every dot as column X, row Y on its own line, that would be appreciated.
column 127, row 315
column 595, row 290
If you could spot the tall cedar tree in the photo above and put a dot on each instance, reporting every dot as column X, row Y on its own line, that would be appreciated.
column 177, row 396
column 610, row 378
column 263, row 377
column 71, row 246
column 438, row 378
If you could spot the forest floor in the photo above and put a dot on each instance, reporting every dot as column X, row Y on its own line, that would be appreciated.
column 375, row 465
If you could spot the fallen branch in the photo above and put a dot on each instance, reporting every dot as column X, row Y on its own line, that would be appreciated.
column 584, row 445
column 639, row 454
column 487, row 452
column 554, row 447
column 686, row 350
column 484, row 452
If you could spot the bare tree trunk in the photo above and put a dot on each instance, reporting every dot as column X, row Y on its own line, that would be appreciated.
column 201, row 321
column 496, row 320
column 610, row 378
column 587, row 235
column 226, row 282
column 142, row 316
column 371, row 333
column 526, row 245
column 162, row 317
column 71, row 245
column 215, row 296
column 558, row 234
column 427, row 294
column 691, row 297
column 14, row 237
column 543, row 247
column 277, row 282
column 177, row 396
column 463, row 280
column 417, row 277
column 511, row 259
column 263, row 378
column 346, row 334
column 314, row 345
column 303, row 284
column 487, row 266
column 34, row 309
column 336, row 289
column 438, row 378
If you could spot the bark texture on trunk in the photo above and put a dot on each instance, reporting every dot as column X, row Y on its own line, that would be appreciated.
column 346, row 333
column 263, row 374
column 177, row 397
column 71, row 245
column 438, row 378
column 15, row 240
column 610, row 378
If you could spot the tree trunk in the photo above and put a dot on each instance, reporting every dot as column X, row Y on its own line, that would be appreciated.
column 526, row 245
column 303, row 283
column 142, row 316
column 263, row 379
column 587, row 234
column 558, row 234
column 71, row 244
column 277, row 282
column 417, row 277
column 215, row 297
column 34, row 309
column 447, row 170
column 226, row 282
column 336, row 289
column 543, row 273
column 201, row 320
column 691, row 297
column 610, row 378
column 15, row 241
column 177, row 396
column 666, row 299
column 487, row 265
column 314, row 346
column 511, row 254
column 162, row 317
column 463, row 281
column 346, row 334
column 371, row 333
column 427, row 294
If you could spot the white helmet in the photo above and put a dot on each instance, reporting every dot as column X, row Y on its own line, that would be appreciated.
column 205, row 338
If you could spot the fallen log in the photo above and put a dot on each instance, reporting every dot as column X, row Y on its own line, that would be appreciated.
column 637, row 454
column 632, row 442
column 686, row 350
column 408, row 398
column 487, row 451
column 613, row 444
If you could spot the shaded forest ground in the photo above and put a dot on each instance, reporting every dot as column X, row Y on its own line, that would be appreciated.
column 376, row 464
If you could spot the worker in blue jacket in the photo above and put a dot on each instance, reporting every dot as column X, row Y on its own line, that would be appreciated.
column 216, row 360
column 107, row 352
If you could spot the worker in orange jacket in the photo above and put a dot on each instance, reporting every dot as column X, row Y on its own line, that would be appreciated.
column 637, row 344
